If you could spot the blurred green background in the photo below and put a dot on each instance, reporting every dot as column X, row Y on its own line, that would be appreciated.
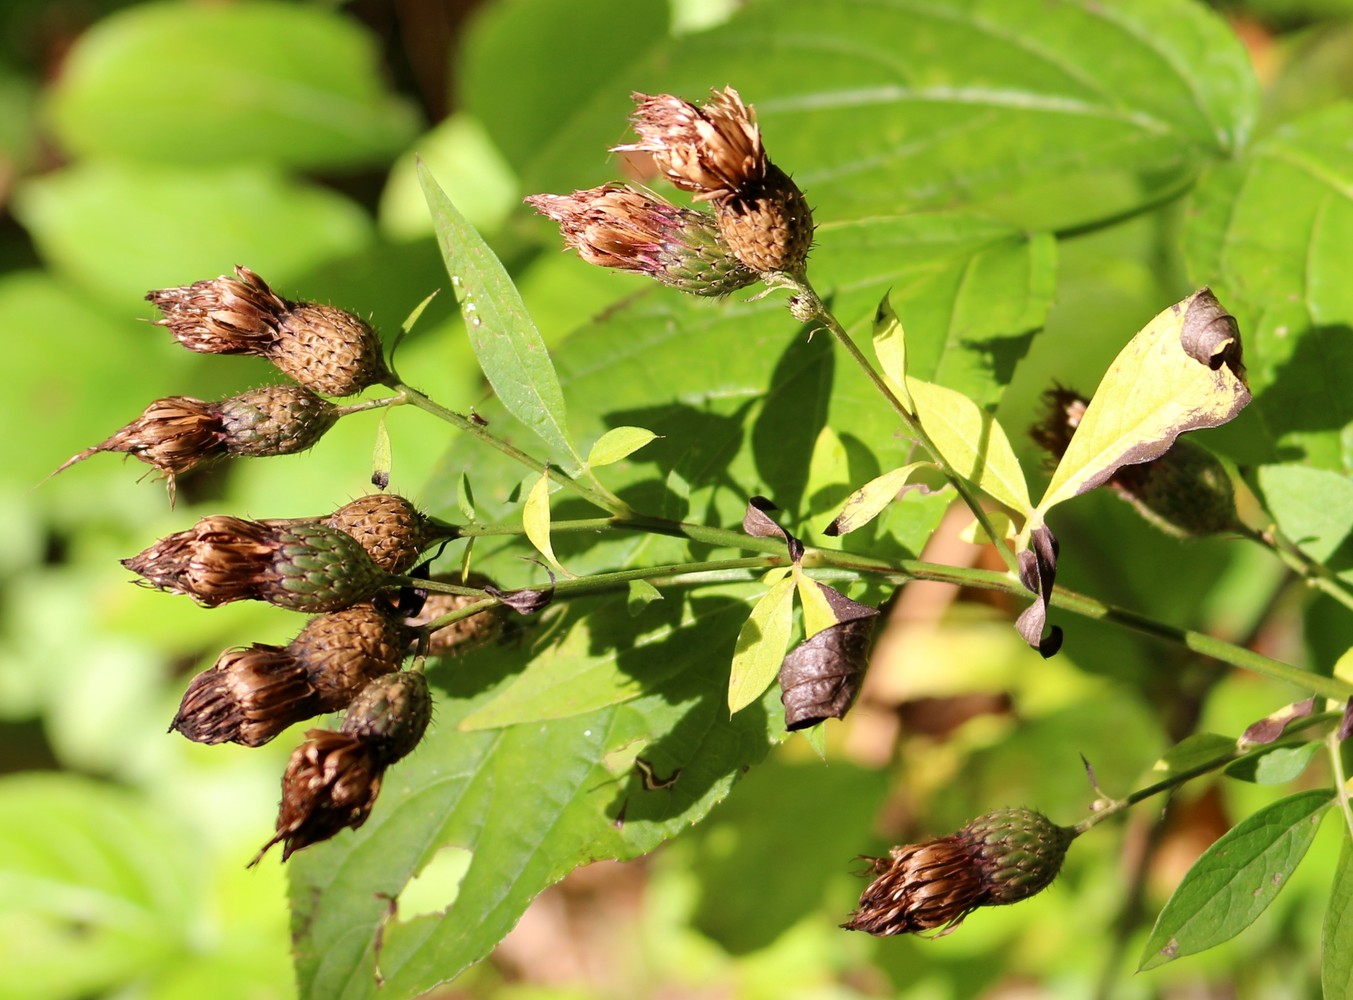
column 146, row 145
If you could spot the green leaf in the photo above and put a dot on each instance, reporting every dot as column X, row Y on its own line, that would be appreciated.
column 1270, row 231
column 280, row 227
column 817, row 612
column 380, row 453
column 1236, row 878
column 300, row 86
column 465, row 498
column 1009, row 107
column 96, row 893
column 1192, row 751
column 972, row 443
column 1313, row 508
column 641, row 595
column 761, row 646
column 618, row 443
column 890, row 347
column 1336, row 958
column 1275, row 765
column 505, row 340
column 870, row 500
column 529, row 802
column 1162, row 384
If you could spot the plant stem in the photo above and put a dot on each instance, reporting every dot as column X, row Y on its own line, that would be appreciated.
column 594, row 492
column 1313, row 573
column 821, row 313
column 1334, row 746
column 1217, row 762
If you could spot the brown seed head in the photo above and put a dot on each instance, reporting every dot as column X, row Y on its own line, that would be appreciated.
column 391, row 529
column 1063, row 409
column 714, row 151
column 303, row 567
column 467, row 634
column 391, row 714
column 331, row 782
column 768, row 226
column 1002, row 857
column 620, row 227
column 324, row 349
column 343, row 651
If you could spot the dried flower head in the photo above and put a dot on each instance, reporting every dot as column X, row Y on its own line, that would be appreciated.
column 715, row 151
column 1002, row 857
column 303, row 567
column 250, row 695
column 323, row 348
column 332, row 779
column 180, row 433
column 623, row 228
column 1186, row 492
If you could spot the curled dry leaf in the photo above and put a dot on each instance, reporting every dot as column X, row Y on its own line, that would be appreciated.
column 821, row 676
column 1038, row 571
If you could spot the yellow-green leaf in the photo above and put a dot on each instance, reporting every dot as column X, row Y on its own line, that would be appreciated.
column 1181, row 373
column 817, row 612
column 761, row 646
column 381, row 456
column 535, row 519
column 972, row 442
column 890, row 347
column 618, row 443
column 868, row 501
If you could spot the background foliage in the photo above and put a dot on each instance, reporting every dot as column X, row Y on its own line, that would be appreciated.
column 1033, row 182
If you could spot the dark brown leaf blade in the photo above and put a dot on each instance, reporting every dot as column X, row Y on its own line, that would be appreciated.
column 1038, row 571
column 758, row 523
column 821, row 676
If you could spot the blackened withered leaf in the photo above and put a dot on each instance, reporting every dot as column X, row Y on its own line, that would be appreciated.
column 1346, row 723
column 1038, row 571
column 821, row 676
column 525, row 601
column 1271, row 726
column 758, row 523
column 1210, row 336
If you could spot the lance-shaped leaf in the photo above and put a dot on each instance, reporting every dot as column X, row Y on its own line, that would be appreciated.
column 869, row 501
column 501, row 331
column 971, row 442
column 1038, row 571
column 890, row 347
column 1271, row 726
column 1236, row 878
column 618, row 443
column 1183, row 372
column 535, row 519
column 1336, row 957
column 822, row 675
column 761, row 646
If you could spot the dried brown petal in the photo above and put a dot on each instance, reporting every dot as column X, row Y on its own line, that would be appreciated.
column 331, row 782
column 619, row 227
column 248, row 697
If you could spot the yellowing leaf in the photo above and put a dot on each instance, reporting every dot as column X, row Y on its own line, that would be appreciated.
column 817, row 612
column 868, row 501
column 535, row 519
column 761, row 646
column 1181, row 373
column 890, row 347
column 972, row 442
column 618, row 443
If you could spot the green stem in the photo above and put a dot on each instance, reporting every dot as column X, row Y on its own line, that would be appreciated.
column 594, row 492
column 1313, row 573
column 369, row 404
column 1334, row 746
column 822, row 314
column 1206, row 767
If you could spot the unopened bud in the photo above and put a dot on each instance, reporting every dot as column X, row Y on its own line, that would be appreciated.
column 715, row 151
column 250, row 695
column 1185, row 492
column 619, row 227
column 302, row 567
column 391, row 529
column 323, row 348
column 391, row 714
column 1000, row 858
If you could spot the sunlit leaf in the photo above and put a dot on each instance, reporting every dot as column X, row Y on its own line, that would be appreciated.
column 972, row 443
column 817, row 611
column 618, row 443
column 535, row 519
column 505, row 339
column 1274, row 766
column 1236, row 878
column 1336, row 957
column 641, row 595
column 380, row 454
column 1183, row 372
column 870, row 500
column 761, row 646
column 890, row 347
column 1193, row 751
